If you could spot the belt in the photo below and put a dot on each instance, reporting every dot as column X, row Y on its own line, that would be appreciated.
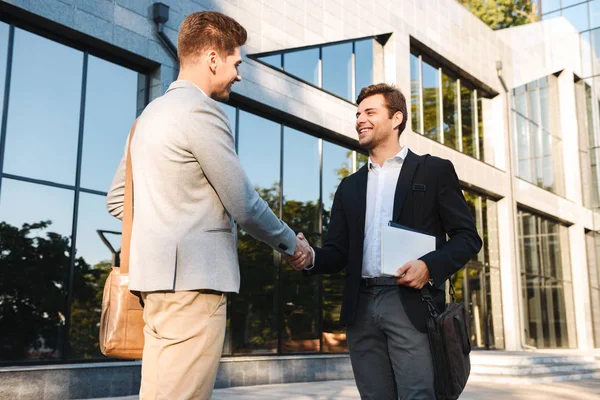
column 209, row 291
column 379, row 281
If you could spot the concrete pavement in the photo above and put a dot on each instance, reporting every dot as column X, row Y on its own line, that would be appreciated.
column 346, row 390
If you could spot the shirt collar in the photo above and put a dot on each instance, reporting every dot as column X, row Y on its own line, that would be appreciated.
column 397, row 159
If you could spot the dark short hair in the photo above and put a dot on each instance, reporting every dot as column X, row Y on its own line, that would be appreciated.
column 394, row 100
column 209, row 29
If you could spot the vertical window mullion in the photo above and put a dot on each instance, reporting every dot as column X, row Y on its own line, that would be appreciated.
column 71, row 277
column 476, row 124
column 353, row 69
column 421, row 111
column 459, row 113
column 320, row 68
column 440, row 115
column 6, row 94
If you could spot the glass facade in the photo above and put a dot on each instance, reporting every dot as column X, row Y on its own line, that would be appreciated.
column 592, row 241
column 546, row 282
column 277, row 309
column 342, row 69
column 446, row 109
column 536, row 135
column 59, row 155
column 478, row 283
column 584, row 15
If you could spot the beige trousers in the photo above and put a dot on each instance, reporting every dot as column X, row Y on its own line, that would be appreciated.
column 184, row 336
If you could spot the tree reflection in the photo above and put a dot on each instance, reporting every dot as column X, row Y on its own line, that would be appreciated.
column 34, row 266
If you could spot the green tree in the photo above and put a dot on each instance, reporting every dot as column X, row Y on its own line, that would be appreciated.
column 500, row 14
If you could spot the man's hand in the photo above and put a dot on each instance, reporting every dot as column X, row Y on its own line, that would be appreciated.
column 302, row 258
column 414, row 274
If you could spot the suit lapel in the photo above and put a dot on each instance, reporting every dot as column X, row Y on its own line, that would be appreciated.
column 409, row 167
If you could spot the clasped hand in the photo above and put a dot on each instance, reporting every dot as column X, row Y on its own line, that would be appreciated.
column 303, row 256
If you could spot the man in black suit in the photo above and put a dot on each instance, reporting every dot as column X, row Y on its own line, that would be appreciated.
column 385, row 317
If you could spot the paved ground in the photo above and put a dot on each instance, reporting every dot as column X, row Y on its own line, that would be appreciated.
column 346, row 390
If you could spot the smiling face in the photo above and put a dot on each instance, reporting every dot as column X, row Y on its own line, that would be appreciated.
column 374, row 125
column 225, row 71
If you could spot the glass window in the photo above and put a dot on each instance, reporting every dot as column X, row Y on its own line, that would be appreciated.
column 415, row 93
column 301, row 212
column 104, row 137
column 431, row 101
column 303, row 64
column 538, row 151
column 595, row 35
column 35, row 227
column 551, row 15
column 592, row 240
column 364, row 58
column 547, row 289
column 43, row 116
column 450, row 111
column 92, row 266
column 337, row 164
column 578, row 16
column 274, row 60
column 568, row 3
column 230, row 111
column 337, row 70
column 550, row 5
column 252, row 313
column 594, row 14
column 586, row 54
column 467, row 105
column 3, row 53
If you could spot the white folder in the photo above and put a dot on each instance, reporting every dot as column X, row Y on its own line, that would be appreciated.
column 400, row 245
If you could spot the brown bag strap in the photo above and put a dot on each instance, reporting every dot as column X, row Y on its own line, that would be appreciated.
column 127, row 208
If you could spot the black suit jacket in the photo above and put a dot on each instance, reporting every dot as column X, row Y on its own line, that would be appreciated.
column 428, row 198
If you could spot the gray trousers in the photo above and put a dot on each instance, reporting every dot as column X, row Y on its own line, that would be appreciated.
column 390, row 358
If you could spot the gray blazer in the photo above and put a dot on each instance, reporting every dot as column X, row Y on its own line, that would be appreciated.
column 189, row 187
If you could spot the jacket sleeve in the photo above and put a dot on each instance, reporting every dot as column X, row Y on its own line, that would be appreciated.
column 116, row 194
column 333, row 256
column 457, row 223
column 212, row 144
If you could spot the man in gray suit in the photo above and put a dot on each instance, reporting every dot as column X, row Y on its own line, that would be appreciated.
column 189, row 187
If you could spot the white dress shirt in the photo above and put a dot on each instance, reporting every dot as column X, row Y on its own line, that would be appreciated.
column 381, row 190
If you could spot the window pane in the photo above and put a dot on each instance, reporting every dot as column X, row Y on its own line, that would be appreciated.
column 43, row 126
column 547, row 295
column 551, row 15
column 301, row 212
column 274, row 60
column 594, row 14
column 550, row 5
column 586, row 54
column 548, row 161
column 3, row 52
column 431, row 101
column 35, row 227
column 337, row 70
column 303, row 64
column 252, row 313
column 104, row 136
column 544, row 104
column 578, row 16
column 92, row 266
column 467, row 120
column 415, row 93
column 337, row 164
column 480, row 127
column 450, row 112
column 595, row 35
column 364, row 58
column 524, row 150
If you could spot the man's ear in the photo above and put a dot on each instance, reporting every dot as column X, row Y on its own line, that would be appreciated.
column 212, row 60
column 397, row 119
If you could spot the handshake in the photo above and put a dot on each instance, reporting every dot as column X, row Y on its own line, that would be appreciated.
column 303, row 256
